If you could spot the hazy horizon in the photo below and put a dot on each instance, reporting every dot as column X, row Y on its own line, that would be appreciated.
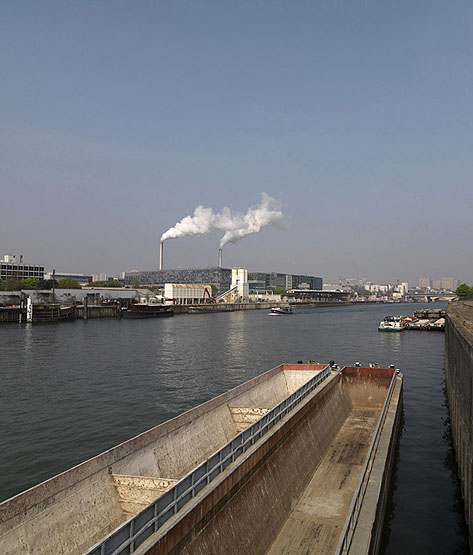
column 118, row 119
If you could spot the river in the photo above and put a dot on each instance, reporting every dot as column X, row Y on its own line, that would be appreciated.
column 69, row 391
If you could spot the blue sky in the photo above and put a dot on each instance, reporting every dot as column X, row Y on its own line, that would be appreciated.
column 118, row 118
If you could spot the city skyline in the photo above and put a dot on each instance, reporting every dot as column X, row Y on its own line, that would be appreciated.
column 9, row 262
column 119, row 120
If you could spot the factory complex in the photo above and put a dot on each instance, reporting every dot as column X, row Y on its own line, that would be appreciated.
column 258, row 282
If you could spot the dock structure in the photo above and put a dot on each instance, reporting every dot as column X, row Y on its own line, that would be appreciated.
column 459, row 380
column 296, row 460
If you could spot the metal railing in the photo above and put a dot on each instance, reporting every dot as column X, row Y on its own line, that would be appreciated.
column 131, row 534
column 348, row 531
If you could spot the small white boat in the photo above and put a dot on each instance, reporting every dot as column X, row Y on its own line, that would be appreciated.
column 281, row 310
column 391, row 323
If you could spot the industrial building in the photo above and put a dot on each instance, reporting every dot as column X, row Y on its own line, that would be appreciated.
column 261, row 281
column 187, row 293
column 220, row 277
column 11, row 268
column 258, row 282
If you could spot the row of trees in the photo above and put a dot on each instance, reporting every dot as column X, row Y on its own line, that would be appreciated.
column 37, row 284
column 464, row 292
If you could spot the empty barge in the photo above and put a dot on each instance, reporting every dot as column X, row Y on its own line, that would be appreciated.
column 296, row 460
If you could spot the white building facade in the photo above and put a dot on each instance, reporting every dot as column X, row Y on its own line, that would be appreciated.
column 187, row 293
column 240, row 281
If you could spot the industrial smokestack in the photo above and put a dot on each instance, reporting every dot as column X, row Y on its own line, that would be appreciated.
column 220, row 257
column 161, row 254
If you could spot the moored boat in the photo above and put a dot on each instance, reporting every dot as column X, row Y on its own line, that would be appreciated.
column 391, row 323
column 147, row 310
column 281, row 310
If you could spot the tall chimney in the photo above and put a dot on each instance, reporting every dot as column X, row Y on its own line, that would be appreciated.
column 161, row 254
column 220, row 257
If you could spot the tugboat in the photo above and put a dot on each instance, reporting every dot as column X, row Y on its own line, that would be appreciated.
column 391, row 323
column 281, row 310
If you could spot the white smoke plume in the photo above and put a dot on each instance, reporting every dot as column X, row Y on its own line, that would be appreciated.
column 240, row 225
column 201, row 222
column 235, row 225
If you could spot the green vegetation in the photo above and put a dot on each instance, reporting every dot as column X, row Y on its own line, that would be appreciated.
column 68, row 283
column 364, row 293
column 104, row 284
column 214, row 289
column 12, row 284
column 30, row 283
column 464, row 292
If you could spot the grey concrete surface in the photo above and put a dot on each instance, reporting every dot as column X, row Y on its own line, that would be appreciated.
column 459, row 378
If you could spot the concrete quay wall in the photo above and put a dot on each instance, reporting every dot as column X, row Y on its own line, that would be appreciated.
column 97, row 311
column 459, row 379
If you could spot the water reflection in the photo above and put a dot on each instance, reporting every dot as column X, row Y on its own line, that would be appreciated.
column 28, row 344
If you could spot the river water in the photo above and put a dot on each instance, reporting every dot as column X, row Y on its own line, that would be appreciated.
column 69, row 391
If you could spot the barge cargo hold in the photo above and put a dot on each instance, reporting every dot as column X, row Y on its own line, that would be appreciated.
column 289, row 461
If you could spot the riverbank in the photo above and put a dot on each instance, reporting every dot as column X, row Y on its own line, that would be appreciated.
column 16, row 314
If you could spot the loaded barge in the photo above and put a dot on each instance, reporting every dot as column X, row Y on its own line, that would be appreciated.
column 298, row 458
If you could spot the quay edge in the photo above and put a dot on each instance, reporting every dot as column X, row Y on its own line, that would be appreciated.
column 459, row 380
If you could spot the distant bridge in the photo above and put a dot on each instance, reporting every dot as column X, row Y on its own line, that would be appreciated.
column 431, row 297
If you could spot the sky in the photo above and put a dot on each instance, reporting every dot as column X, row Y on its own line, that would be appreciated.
column 118, row 118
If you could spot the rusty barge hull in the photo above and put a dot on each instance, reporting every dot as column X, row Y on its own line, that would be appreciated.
column 283, row 463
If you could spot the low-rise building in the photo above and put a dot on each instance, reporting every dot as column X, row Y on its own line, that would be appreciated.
column 12, row 267
column 187, row 293
column 80, row 278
